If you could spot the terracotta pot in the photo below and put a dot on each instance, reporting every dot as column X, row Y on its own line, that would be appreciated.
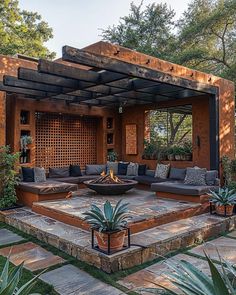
column 116, row 242
column 220, row 210
column 171, row 157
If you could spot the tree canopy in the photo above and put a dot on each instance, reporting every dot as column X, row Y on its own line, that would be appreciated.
column 204, row 38
column 23, row 32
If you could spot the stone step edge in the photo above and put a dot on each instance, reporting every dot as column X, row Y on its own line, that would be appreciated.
column 133, row 256
column 135, row 227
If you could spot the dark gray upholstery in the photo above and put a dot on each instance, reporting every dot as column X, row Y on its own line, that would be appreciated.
column 150, row 172
column 144, row 179
column 177, row 173
column 211, row 177
column 182, row 189
column 95, row 169
column 48, row 187
column 59, row 172
column 126, row 176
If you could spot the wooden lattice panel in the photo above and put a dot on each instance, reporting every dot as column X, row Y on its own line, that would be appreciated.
column 62, row 140
column 131, row 139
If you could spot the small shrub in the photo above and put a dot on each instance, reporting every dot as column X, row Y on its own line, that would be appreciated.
column 8, row 177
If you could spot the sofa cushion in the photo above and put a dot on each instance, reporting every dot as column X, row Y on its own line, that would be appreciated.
column 122, row 168
column 142, row 169
column 144, row 179
column 83, row 178
column 195, row 176
column 181, row 188
column 94, row 169
column 112, row 166
column 70, row 179
column 150, row 172
column 132, row 169
column 162, row 171
column 126, row 176
column 39, row 174
column 27, row 174
column 59, row 172
column 75, row 170
column 211, row 177
column 177, row 173
column 48, row 187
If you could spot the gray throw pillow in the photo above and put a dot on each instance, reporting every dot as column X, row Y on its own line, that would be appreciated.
column 211, row 177
column 39, row 174
column 162, row 171
column 132, row 169
column 112, row 166
column 59, row 172
column 195, row 176
column 94, row 169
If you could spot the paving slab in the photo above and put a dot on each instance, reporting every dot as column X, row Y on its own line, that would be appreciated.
column 70, row 280
column 154, row 275
column 225, row 246
column 8, row 237
column 34, row 256
column 232, row 234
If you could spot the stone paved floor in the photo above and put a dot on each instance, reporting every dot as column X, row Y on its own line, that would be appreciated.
column 8, row 237
column 69, row 280
column 142, row 204
column 34, row 256
column 152, row 276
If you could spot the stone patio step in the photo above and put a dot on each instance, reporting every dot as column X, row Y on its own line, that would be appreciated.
column 146, row 245
column 8, row 237
column 146, row 210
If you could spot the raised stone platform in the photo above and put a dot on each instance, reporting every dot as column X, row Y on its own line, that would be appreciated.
column 150, row 243
column 147, row 211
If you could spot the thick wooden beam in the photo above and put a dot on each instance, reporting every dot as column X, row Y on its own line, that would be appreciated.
column 94, row 60
column 58, row 69
column 34, row 93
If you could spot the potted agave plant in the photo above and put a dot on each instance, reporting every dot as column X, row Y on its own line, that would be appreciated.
column 111, row 220
column 224, row 201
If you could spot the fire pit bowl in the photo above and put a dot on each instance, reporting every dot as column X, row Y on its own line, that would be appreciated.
column 111, row 188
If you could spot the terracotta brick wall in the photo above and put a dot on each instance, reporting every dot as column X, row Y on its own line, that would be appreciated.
column 2, row 118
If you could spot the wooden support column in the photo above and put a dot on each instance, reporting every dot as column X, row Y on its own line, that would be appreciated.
column 2, row 118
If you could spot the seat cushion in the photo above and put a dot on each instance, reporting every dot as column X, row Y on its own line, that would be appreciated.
column 182, row 189
column 48, row 187
column 122, row 168
column 112, row 166
column 211, row 177
column 83, row 178
column 70, row 179
column 177, row 173
column 27, row 174
column 75, row 170
column 145, row 179
column 126, row 176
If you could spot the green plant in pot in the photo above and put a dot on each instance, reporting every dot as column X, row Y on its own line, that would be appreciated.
column 188, row 150
column 149, row 150
column 109, row 220
column 112, row 156
column 179, row 153
column 224, row 201
column 170, row 153
column 8, row 177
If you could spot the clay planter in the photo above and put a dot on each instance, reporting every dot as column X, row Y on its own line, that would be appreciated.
column 117, row 240
column 220, row 210
column 171, row 157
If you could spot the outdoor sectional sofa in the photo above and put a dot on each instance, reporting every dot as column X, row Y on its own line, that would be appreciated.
column 59, row 182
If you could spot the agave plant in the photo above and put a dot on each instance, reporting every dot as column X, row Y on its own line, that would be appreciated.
column 110, row 219
column 9, row 281
column 224, row 196
column 189, row 280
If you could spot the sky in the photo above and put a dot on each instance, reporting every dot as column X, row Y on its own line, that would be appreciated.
column 78, row 23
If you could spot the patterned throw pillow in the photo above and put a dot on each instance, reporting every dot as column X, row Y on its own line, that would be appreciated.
column 162, row 171
column 39, row 174
column 132, row 169
column 195, row 176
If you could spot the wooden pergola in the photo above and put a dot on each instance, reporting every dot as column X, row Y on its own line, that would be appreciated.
column 91, row 79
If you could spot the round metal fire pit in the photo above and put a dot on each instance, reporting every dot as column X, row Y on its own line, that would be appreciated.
column 111, row 189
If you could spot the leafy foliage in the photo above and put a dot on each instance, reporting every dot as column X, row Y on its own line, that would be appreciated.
column 9, row 281
column 22, row 31
column 8, row 177
column 224, row 196
column 191, row 281
column 110, row 219
column 204, row 38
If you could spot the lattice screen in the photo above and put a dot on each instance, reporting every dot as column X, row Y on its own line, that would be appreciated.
column 62, row 140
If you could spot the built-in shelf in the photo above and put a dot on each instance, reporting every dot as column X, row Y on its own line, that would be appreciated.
column 24, row 117
column 110, row 138
column 110, row 123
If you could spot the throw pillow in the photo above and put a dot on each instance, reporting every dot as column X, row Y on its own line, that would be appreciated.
column 59, row 172
column 162, row 171
column 27, row 174
column 132, row 169
column 112, row 166
column 39, row 174
column 142, row 169
column 177, row 173
column 75, row 170
column 122, row 168
column 195, row 176
column 211, row 177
